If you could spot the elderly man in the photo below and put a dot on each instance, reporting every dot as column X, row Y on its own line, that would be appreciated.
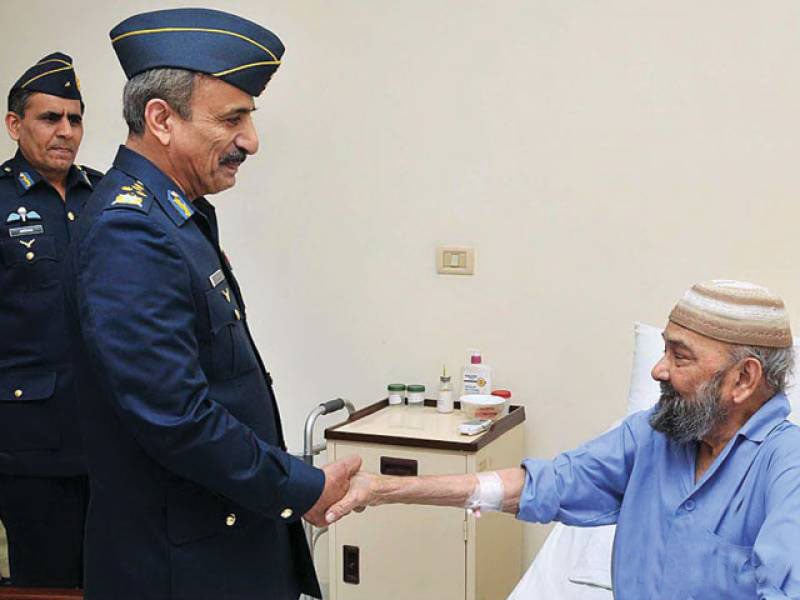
column 704, row 488
column 193, row 493
column 43, row 486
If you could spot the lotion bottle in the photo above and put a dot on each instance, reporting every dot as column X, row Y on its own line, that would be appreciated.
column 477, row 377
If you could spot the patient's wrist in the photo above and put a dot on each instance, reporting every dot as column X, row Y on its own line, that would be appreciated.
column 488, row 494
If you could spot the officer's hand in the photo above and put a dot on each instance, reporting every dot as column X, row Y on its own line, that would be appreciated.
column 337, row 482
column 363, row 492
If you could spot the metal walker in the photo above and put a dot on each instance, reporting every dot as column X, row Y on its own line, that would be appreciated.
column 310, row 450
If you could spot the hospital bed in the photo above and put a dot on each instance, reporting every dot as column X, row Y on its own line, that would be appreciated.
column 575, row 562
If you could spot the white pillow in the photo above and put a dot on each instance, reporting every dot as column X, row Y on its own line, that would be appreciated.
column 648, row 347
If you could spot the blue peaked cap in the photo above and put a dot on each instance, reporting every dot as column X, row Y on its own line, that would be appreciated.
column 217, row 43
column 54, row 74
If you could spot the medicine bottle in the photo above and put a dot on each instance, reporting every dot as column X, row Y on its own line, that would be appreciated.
column 397, row 391
column 416, row 395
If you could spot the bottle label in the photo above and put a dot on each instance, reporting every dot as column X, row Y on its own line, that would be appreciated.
column 474, row 383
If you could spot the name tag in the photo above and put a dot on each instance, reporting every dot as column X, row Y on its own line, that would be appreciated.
column 29, row 230
column 216, row 278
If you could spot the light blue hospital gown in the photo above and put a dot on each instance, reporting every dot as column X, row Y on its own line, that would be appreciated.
column 734, row 534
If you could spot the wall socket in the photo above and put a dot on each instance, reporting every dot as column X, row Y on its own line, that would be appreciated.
column 455, row 260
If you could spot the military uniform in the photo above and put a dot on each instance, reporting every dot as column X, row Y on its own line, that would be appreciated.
column 43, row 487
column 193, row 494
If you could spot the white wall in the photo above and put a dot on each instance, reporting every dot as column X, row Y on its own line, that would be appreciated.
column 600, row 156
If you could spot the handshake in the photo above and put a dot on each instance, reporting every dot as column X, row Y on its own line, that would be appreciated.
column 348, row 488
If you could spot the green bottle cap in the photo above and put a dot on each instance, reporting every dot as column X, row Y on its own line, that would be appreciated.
column 397, row 387
column 416, row 388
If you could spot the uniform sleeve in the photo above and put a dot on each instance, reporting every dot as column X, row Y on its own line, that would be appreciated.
column 581, row 487
column 775, row 553
column 137, row 318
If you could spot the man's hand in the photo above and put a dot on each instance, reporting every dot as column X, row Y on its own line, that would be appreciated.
column 337, row 482
column 362, row 493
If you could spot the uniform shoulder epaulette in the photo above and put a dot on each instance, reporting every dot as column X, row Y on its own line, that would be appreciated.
column 131, row 195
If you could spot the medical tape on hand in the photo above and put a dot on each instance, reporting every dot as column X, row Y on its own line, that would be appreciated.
column 488, row 493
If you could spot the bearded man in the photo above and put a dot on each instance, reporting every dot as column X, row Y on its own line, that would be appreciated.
column 704, row 487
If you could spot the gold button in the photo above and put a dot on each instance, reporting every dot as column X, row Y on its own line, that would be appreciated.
column 30, row 255
column 17, row 393
column 237, row 314
column 287, row 513
column 230, row 520
column 71, row 216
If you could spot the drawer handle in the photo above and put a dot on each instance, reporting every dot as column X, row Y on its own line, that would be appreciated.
column 351, row 565
column 401, row 467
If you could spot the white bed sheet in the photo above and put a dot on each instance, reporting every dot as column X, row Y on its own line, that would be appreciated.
column 561, row 557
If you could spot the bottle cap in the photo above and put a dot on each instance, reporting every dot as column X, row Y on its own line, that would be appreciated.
column 416, row 388
column 396, row 387
column 502, row 393
column 444, row 378
column 475, row 358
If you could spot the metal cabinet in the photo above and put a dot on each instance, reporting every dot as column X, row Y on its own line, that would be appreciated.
column 422, row 552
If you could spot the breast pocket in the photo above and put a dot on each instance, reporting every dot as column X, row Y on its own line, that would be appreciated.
column 231, row 350
column 32, row 262
column 28, row 416
column 728, row 567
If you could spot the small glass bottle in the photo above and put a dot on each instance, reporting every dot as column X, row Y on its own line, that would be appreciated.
column 416, row 395
column 397, row 391
column 445, row 402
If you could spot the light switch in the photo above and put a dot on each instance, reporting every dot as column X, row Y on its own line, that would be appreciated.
column 455, row 260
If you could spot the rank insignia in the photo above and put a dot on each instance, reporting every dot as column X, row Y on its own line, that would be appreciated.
column 135, row 188
column 180, row 204
column 129, row 199
column 25, row 179
column 23, row 215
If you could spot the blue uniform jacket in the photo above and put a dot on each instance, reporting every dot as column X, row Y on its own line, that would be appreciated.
column 193, row 494
column 39, row 433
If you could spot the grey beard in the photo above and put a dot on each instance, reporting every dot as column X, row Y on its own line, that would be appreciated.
column 691, row 418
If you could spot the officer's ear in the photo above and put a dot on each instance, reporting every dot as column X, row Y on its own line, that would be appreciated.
column 13, row 124
column 159, row 118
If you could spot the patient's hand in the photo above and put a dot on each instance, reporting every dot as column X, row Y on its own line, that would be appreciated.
column 363, row 492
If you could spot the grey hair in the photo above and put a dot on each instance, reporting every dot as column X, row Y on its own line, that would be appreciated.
column 18, row 100
column 777, row 363
column 173, row 86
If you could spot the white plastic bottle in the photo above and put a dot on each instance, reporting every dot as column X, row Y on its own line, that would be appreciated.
column 477, row 377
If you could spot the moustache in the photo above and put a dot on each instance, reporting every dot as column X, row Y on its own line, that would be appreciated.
column 668, row 392
column 234, row 157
